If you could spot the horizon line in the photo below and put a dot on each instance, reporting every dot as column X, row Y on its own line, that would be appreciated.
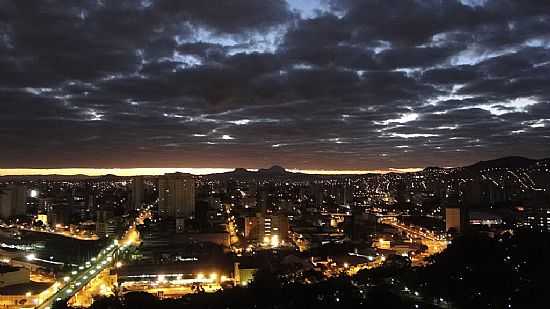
column 154, row 171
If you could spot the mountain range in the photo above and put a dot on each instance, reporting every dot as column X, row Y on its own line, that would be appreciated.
column 276, row 171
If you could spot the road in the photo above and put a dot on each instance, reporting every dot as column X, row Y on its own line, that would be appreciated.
column 413, row 230
column 436, row 243
column 91, row 269
column 53, row 232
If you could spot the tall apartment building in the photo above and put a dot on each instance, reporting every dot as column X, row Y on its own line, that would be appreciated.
column 12, row 201
column 138, row 192
column 177, row 195
column 107, row 225
column 453, row 219
column 263, row 227
column 456, row 213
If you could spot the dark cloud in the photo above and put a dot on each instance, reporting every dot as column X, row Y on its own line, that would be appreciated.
column 414, row 57
column 223, row 83
column 406, row 22
column 451, row 75
column 228, row 16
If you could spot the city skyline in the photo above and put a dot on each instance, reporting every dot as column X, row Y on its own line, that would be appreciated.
column 194, row 171
column 307, row 84
column 245, row 154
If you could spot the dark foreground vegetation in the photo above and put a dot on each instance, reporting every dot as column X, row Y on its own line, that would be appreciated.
column 476, row 271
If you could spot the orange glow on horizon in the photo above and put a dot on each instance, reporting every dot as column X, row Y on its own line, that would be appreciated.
column 161, row 171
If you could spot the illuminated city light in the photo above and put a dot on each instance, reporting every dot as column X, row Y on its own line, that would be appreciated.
column 389, row 117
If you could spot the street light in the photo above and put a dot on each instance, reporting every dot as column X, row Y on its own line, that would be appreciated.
column 213, row 276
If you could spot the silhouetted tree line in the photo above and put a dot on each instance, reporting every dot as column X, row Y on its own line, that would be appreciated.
column 266, row 291
column 477, row 271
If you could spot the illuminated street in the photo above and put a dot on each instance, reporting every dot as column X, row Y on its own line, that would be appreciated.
column 84, row 281
column 277, row 154
column 436, row 243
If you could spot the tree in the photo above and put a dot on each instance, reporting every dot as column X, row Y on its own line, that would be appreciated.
column 140, row 299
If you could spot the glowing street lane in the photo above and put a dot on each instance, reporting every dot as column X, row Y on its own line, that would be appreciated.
column 93, row 268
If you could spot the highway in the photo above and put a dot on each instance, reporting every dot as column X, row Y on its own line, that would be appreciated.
column 413, row 230
column 91, row 269
column 435, row 243
column 49, row 231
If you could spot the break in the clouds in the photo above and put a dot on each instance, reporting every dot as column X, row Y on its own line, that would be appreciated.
column 350, row 84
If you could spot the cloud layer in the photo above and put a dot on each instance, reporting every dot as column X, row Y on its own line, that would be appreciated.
column 350, row 84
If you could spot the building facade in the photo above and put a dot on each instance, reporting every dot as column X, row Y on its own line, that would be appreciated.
column 265, row 228
column 12, row 201
column 177, row 195
column 138, row 192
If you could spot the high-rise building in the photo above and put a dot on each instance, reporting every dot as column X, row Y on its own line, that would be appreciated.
column 266, row 227
column 138, row 192
column 342, row 194
column 274, row 226
column 176, row 195
column 59, row 215
column 360, row 225
column 456, row 212
column 107, row 224
column 317, row 194
column 12, row 201
column 535, row 219
column 453, row 219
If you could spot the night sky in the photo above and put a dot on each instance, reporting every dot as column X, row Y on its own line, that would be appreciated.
column 307, row 84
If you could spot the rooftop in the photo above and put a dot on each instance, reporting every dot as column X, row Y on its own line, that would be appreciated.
column 4, row 268
column 22, row 289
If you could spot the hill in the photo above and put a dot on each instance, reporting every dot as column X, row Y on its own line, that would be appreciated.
column 506, row 162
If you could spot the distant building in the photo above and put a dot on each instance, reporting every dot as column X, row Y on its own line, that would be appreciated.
column 138, row 192
column 42, row 218
column 107, row 224
column 453, row 219
column 59, row 212
column 456, row 214
column 251, row 227
column 484, row 218
column 535, row 220
column 342, row 194
column 243, row 275
column 317, row 194
column 177, row 195
column 359, row 225
column 12, row 201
